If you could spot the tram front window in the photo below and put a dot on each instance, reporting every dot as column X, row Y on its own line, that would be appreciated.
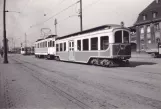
column 118, row 36
column 126, row 36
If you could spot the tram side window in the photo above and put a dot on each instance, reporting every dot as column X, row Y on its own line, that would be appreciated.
column 118, row 37
column 57, row 47
column 94, row 43
column 104, row 42
column 53, row 44
column 48, row 44
column 85, row 44
column 64, row 46
column 126, row 37
column 79, row 45
column 61, row 47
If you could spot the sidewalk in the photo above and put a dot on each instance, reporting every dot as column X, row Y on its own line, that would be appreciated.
column 140, row 55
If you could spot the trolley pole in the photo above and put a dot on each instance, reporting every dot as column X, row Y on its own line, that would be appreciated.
column 4, row 33
column 81, row 19
column 55, row 23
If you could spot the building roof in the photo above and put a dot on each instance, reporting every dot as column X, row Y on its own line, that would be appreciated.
column 90, row 30
column 148, row 11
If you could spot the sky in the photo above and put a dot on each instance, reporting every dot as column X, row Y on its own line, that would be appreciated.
column 34, row 15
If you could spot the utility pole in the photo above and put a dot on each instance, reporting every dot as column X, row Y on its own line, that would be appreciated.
column 25, row 43
column 81, row 20
column 4, row 34
column 55, row 23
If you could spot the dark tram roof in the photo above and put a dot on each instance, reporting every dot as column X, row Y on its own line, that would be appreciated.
column 90, row 30
column 50, row 36
column 39, row 40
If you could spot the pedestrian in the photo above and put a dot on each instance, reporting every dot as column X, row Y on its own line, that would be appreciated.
column 1, row 53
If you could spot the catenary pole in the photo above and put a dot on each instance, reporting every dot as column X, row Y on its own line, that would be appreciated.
column 55, row 23
column 4, row 33
column 81, row 19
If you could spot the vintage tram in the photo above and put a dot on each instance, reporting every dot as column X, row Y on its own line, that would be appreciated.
column 45, row 47
column 105, row 45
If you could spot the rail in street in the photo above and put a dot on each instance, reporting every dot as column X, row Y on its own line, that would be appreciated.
column 28, row 82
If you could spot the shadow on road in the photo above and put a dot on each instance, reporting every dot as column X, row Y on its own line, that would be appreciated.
column 136, row 63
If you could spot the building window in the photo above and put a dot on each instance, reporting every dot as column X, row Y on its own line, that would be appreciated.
column 104, row 42
column 85, row 44
column 149, row 41
column 144, row 17
column 142, row 30
column 154, row 14
column 148, row 29
column 94, row 43
column 79, row 45
column 156, row 26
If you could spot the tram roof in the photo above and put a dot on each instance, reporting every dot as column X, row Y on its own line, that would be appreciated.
column 91, row 30
column 39, row 40
column 50, row 36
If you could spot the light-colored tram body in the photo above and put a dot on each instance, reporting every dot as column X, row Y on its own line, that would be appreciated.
column 23, row 51
column 45, row 47
column 26, row 50
column 104, row 45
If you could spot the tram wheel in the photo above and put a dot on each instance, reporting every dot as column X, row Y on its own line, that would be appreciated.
column 94, row 62
column 105, row 63
column 57, row 58
column 154, row 55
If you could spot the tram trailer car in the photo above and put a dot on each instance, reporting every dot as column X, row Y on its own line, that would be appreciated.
column 45, row 47
column 26, row 50
column 106, row 45
column 154, row 49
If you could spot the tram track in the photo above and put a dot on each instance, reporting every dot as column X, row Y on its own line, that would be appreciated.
column 136, row 98
column 54, row 88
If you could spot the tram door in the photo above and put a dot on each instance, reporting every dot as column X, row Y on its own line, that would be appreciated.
column 71, row 50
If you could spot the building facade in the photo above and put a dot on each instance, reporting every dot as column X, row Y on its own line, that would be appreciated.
column 148, row 26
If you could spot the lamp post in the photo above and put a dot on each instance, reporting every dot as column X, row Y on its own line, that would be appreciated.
column 4, row 33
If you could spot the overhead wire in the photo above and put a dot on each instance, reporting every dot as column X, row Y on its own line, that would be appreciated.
column 60, row 21
column 58, row 4
column 55, row 14
column 16, row 19
column 26, row 5
column 88, row 6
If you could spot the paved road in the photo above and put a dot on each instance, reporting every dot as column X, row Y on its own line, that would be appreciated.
column 28, row 82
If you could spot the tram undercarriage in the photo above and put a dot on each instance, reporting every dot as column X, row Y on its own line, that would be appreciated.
column 109, row 62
